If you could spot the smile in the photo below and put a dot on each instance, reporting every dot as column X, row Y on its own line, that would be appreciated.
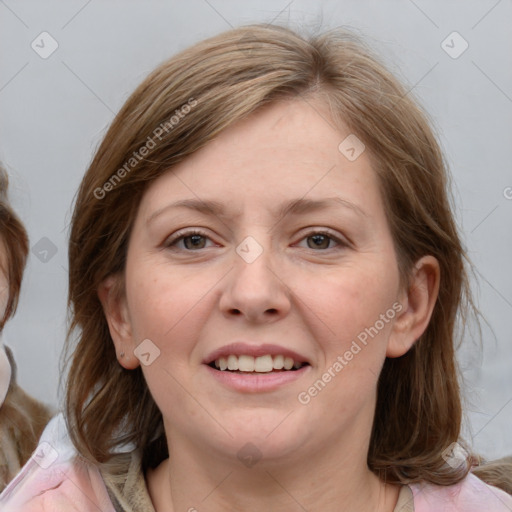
column 255, row 368
column 261, row 364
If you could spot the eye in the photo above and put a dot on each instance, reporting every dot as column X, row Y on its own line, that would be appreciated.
column 321, row 240
column 189, row 241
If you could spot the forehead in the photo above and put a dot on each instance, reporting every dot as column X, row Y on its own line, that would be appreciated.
column 288, row 149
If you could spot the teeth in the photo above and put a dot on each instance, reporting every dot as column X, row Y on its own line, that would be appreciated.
column 261, row 364
column 232, row 362
column 246, row 363
column 278, row 362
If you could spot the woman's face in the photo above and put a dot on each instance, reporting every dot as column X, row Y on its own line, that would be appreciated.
column 267, row 246
column 4, row 282
column 5, row 368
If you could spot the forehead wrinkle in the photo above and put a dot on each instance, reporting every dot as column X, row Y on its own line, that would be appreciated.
column 299, row 206
column 302, row 206
column 207, row 207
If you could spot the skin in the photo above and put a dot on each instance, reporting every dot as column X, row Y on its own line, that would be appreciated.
column 189, row 301
column 5, row 369
column 4, row 282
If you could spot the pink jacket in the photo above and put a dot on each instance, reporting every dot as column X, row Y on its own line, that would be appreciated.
column 469, row 495
column 62, row 487
column 56, row 479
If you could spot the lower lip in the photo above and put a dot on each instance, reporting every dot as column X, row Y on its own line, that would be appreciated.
column 257, row 382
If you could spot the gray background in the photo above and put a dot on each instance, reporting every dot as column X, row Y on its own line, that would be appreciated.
column 54, row 112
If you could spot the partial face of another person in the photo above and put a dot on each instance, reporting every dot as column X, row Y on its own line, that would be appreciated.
column 5, row 368
column 267, row 247
column 4, row 281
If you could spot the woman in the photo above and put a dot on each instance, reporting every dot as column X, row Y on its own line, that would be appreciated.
column 264, row 277
column 22, row 418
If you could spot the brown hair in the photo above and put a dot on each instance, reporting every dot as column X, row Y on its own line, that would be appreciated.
column 226, row 78
column 497, row 472
column 22, row 418
column 22, row 421
column 15, row 240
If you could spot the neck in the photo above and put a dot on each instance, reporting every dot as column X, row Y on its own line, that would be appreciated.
column 327, row 482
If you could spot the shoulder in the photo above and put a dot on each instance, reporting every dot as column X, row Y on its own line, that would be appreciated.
column 56, row 478
column 470, row 495
column 72, row 486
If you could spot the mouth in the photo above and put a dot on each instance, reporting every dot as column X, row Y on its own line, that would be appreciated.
column 264, row 364
column 256, row 368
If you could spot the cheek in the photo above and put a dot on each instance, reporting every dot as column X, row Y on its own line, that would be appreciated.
column 357, row 315
column 169, row 308
column 351, row 316
column 166, row 305
column 349, row 300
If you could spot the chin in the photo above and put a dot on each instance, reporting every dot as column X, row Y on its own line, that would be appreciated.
column 270, row 434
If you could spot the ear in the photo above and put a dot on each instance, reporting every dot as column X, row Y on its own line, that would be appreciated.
column 113, row 300
column 417, row 302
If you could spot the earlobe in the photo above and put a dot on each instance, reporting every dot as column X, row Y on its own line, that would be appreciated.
column 418, row 303
column 113, row 300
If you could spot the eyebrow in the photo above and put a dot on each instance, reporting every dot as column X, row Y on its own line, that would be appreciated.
column 301, row 206
column 294, row 207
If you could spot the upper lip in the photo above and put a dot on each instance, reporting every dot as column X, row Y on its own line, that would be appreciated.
column 255, row 350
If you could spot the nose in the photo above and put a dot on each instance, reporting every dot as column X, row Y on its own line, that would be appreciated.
column 255, row 291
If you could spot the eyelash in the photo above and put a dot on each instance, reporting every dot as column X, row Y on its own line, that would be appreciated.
column 180, row 236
